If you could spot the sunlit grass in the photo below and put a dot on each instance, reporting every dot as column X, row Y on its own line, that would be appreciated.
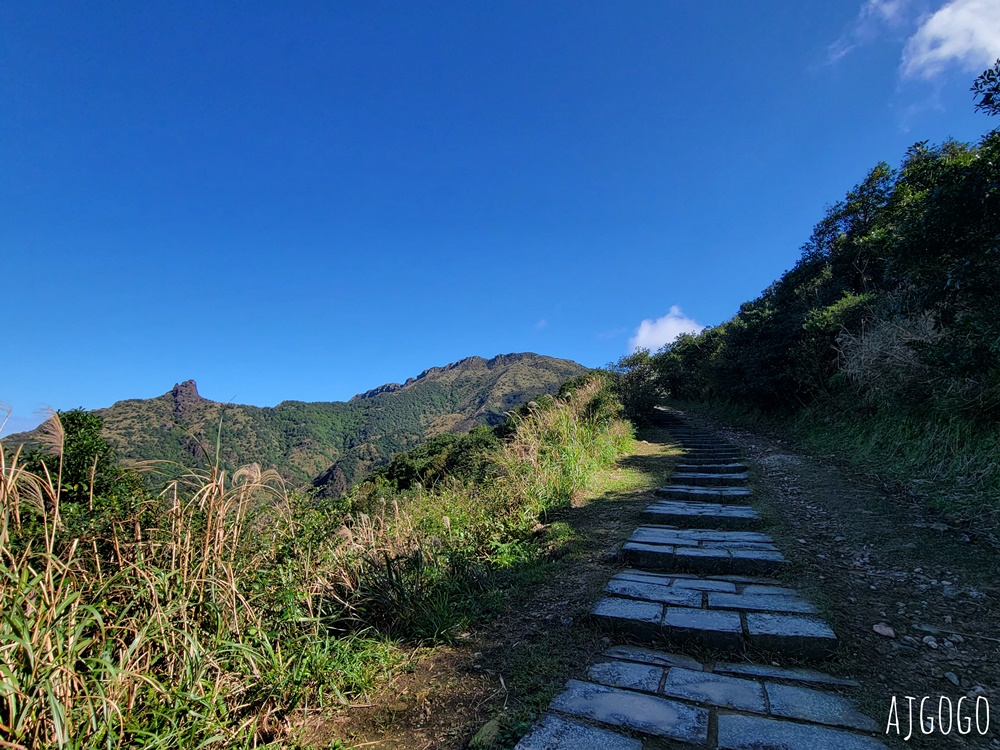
column 215, row 610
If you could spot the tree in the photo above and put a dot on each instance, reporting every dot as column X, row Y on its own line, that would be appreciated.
column 987, row 90
column 92, row 483
column 635, row 384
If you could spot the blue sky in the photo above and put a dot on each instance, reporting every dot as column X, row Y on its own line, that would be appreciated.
column 306, row 200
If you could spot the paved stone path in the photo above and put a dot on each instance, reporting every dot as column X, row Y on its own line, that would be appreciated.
column 702, row 551
column 697, row 513
column 698, row 576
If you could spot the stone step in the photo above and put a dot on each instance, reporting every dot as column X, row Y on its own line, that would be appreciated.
column 695, row 492
column 712, row 466
column 710, row 451
column 727, row 613
column 703, row 551
column 709, row 479
column 659, row 696
column 671, row 421
column 694, row 514
column 702, row 459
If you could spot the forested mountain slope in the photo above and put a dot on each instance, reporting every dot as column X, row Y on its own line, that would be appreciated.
column 340, row 440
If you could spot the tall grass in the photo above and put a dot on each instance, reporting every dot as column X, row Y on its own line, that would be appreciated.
column 560, row 444
column 212, row 611
column 948, row 460
column 168, row 631
column 424, row 562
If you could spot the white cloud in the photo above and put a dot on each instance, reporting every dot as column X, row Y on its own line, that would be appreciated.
column 891, row 12
column 653, row 334
column 966, row 32
column 873, row 18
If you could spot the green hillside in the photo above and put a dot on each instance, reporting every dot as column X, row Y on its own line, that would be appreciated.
column 338, row 441
column 882, row 344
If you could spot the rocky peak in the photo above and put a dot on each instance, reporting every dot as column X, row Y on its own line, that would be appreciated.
column 184, row 395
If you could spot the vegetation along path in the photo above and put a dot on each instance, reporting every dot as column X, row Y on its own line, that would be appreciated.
column 700, row 582
column 672, row 618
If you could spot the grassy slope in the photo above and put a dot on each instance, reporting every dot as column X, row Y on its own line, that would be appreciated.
column 210, row 616
column 949, row 465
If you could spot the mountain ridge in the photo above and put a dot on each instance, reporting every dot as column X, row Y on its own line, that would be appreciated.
column 339, row 440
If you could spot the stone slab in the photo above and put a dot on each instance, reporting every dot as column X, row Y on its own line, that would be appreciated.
column 554, row 732
column 712, row 558
column 709, row 479
column 681, row 580
column 708, row 510
column 642, row 677
column 671, row 535
column 733, row 546
column 696, row 514
column 712, row 467
column 691, row 492
column 761, row 603
column 664, row 535
column 638, row 618
column 767, row 672
column 654, row 592
column 806, row 704
column 652, row 656
column 748, row 580
column 638, row 712
column 716, row 455
column 795, row 634
column 767, row 589
column 783, row 673
column 701, row 560
column 741, row 732
column 719, row 630
column 715, row 535
column 703, row 446
column 724, row 451
column 689, row 458
column 721, row 611
column 691, row 444
column 655, row 556
column 790, row 714
column 706, row 584
column 649, row 576
column 715, row 690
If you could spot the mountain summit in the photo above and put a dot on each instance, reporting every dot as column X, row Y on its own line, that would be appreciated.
column 340, row 440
